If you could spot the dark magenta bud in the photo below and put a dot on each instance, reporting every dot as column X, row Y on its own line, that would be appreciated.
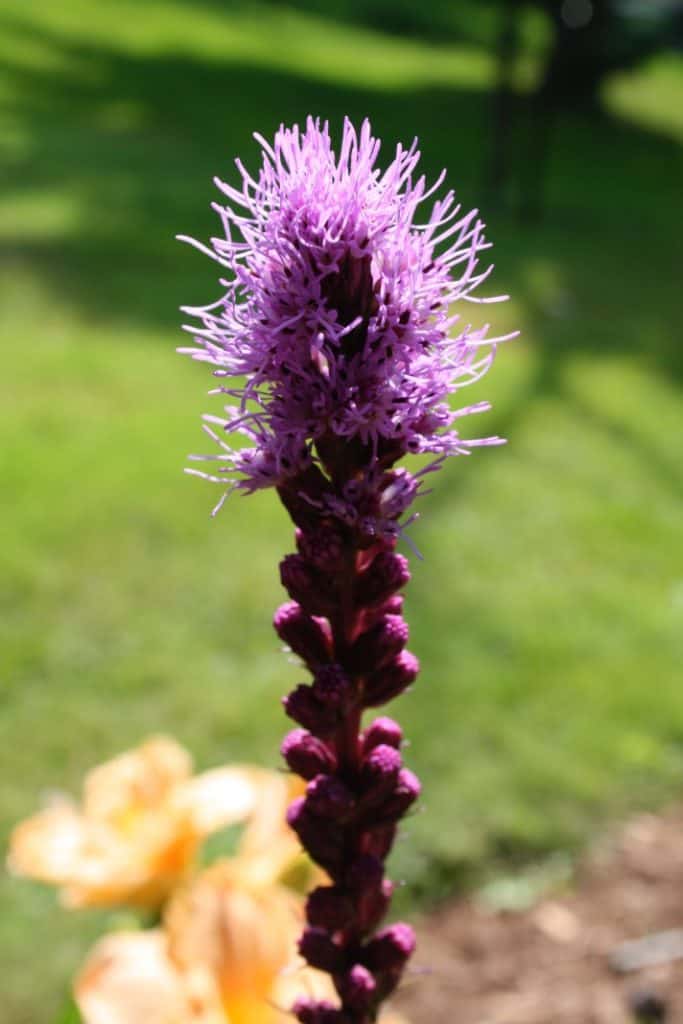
column 365, row 872
column 391, row 680
column 313, row 1011
column 380, row 644
column 332, row 686
column 322, row 839
column 303, row 706
column 387, row 954
column 302, row 494
column 391, row 947
column 380, row 838
column 328, row 907
column 305, row 585
column 322, row 546
column 383, row 731
column 319, row 950
column 308, row 637
column 357, row 988
column 404, row 795
column 394, row 606
column 386, row 574
column 379, row 772
column 306, row 755
column 370, row 891
column 328, row 797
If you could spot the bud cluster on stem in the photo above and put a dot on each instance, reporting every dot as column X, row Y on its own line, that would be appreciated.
column 344, row 621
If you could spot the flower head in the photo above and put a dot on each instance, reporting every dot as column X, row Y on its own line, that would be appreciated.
column 335, row 323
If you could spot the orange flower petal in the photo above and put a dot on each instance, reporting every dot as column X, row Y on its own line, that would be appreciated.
column 220, row 797
column 135, row 781
column 129, row 979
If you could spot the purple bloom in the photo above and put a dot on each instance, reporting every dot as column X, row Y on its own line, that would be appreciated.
column 336, row 318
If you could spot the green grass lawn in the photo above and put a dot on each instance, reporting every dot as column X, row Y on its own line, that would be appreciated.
column 548, row 610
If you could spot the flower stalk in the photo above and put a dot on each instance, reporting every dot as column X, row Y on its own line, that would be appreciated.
column 358, row 789
column 339, row 348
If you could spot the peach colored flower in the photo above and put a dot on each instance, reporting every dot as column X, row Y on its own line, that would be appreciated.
column 139, row 827
column 226, row 954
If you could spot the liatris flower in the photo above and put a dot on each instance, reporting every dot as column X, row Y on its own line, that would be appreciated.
column 335, row 329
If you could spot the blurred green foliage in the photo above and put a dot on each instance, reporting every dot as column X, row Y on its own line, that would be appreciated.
column 548, row 610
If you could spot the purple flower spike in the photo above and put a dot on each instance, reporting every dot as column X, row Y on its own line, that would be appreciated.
column 338, row 308
column 337, row 344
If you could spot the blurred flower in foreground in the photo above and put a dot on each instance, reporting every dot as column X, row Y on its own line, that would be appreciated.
column 226, row 954
column 140, row 825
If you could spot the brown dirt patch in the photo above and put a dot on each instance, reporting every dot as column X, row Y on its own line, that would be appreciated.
column 551, row 964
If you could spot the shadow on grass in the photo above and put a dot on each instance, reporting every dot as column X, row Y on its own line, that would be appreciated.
column 127, row 146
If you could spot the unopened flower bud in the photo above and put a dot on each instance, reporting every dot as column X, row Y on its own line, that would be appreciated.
column 393, row 606
column 309, row 637
column 382, row 731
column 379, row 839
column 357, row 988
column 332, row 686
column 306, row 755
column 365, row 872
column 320, row 950
column 379, row 644
column 371, row 892
column 329, row 907
column 303, row 707
column 379, row 773
column 322, row 546
column 301, row 495
column 391, row 947
column 328, row 797
column 392, row 680
column 404, row 795
column 313, row 1011
column 304, row 584
column 387, row 573
column 321, row 838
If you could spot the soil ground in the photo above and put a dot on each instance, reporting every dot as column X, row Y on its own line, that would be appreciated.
column 552, row 962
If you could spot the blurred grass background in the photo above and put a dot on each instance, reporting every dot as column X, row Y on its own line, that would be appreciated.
column 548, row 610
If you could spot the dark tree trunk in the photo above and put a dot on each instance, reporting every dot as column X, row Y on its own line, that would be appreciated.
column 580, row 54
column 503, row 103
